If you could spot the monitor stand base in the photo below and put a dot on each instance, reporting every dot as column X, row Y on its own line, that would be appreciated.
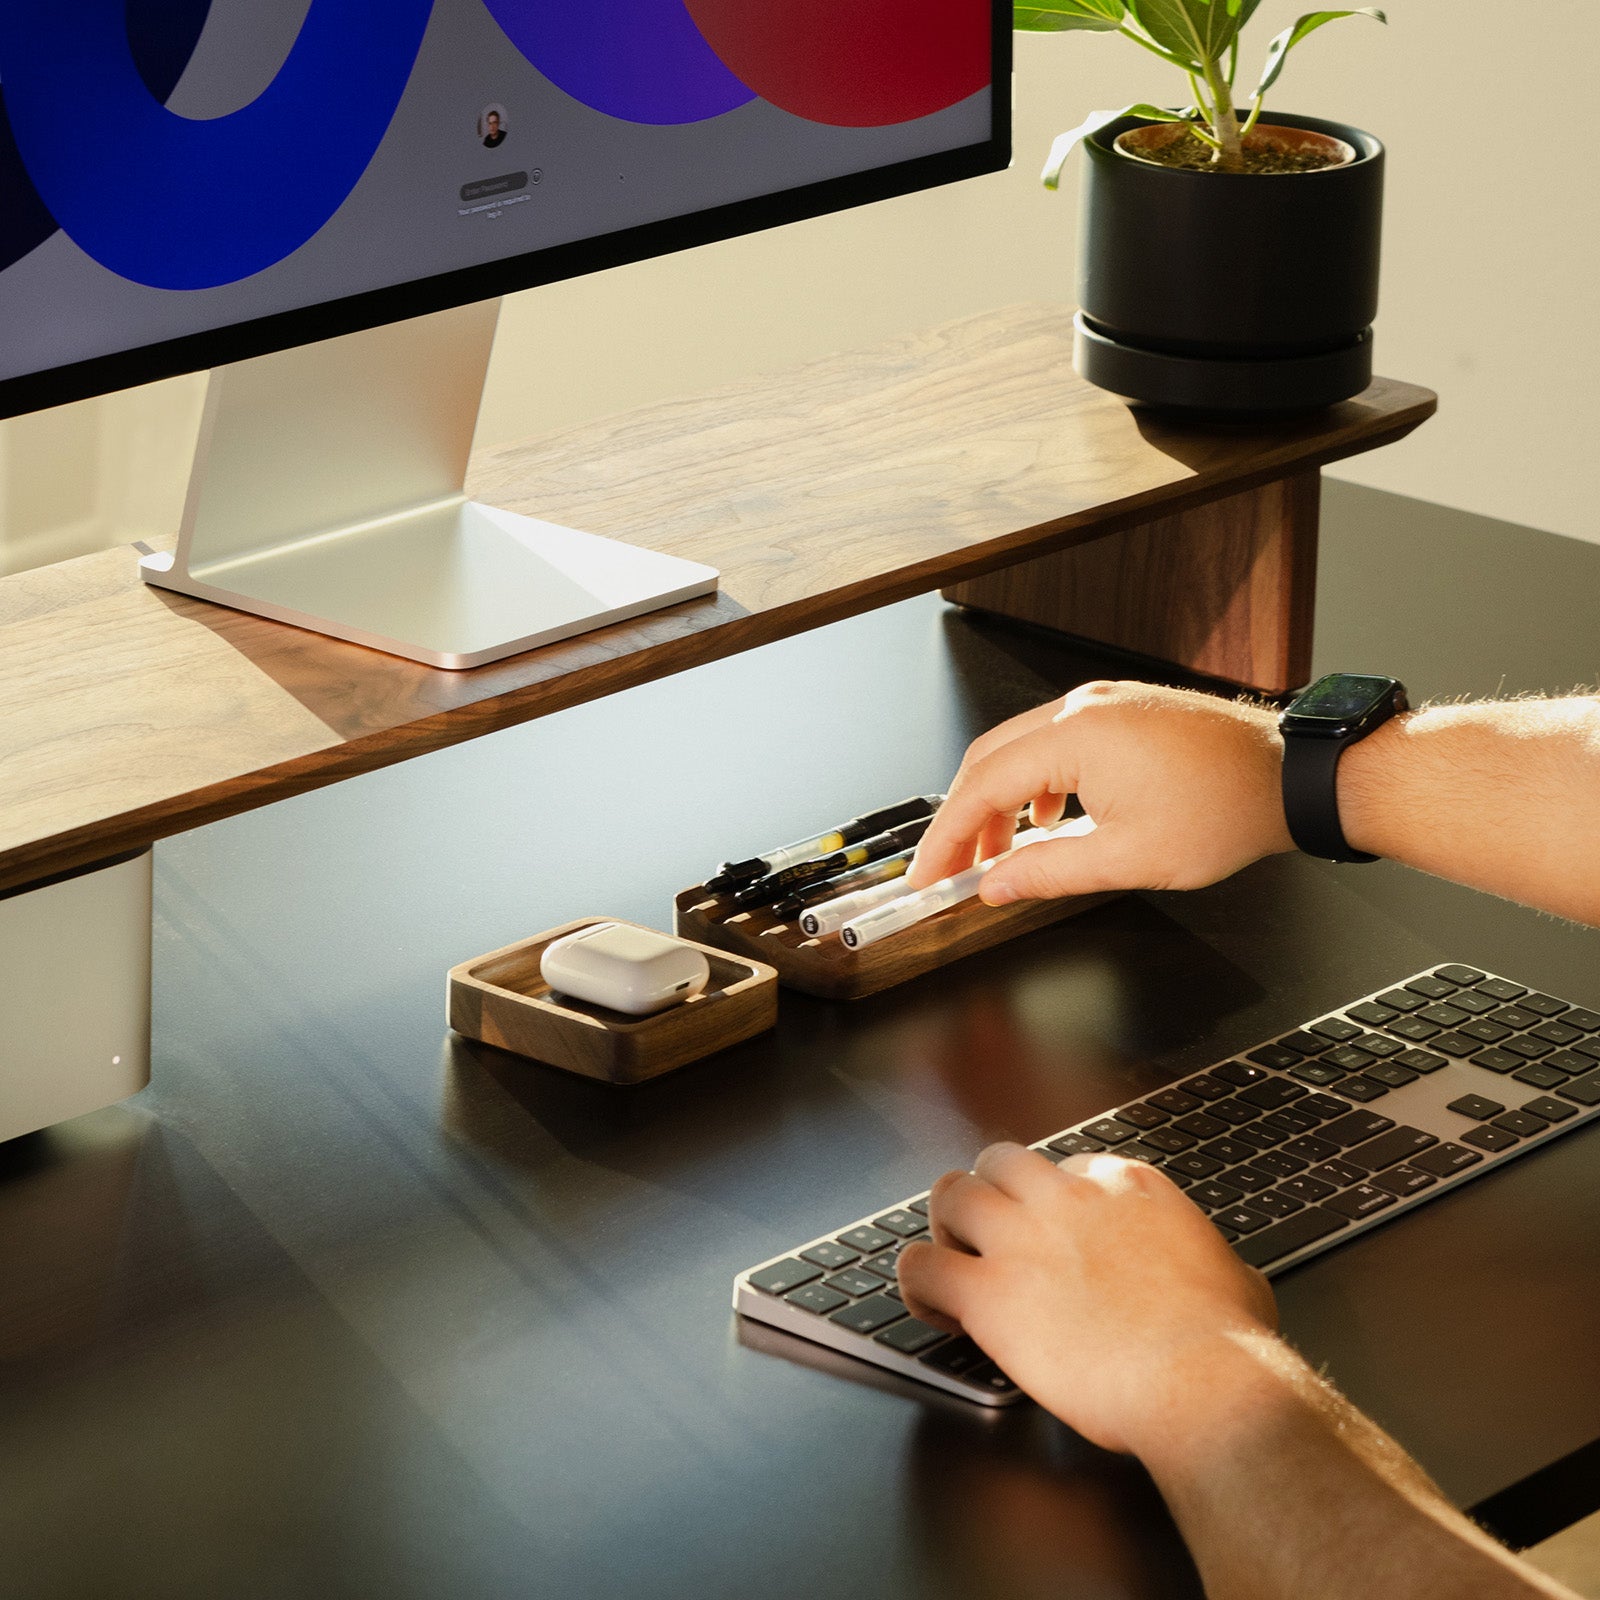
column 327, row 492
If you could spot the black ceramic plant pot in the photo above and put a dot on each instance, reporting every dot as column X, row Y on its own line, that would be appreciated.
column 1229, row 294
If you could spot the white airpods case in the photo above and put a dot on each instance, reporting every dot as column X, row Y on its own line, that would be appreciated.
column 626, row 968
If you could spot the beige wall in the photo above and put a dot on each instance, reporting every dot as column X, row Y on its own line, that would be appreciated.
column 1489, row 296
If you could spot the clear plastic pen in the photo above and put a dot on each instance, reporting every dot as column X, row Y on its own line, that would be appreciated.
column 905, row 912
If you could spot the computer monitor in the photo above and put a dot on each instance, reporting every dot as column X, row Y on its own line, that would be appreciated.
column 323, row 199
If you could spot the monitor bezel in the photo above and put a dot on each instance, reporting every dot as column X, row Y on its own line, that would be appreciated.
column 196, row 352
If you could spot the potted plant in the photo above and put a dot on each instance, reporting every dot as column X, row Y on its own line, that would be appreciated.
column 1226, row 265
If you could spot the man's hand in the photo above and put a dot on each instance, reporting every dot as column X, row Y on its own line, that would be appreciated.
column 1183, row 789
column 1097, row 1286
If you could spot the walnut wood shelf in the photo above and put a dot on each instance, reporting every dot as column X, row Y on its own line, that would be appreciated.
column 128, row 713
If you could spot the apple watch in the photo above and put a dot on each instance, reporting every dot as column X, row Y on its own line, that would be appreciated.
column 1317, row 726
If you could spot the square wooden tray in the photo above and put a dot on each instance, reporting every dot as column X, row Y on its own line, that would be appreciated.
column 501, row 999
column 829, row 968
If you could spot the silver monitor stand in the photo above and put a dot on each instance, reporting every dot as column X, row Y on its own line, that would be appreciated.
column 328, row 491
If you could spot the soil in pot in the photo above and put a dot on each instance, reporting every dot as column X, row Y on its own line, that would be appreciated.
column 1269, row 148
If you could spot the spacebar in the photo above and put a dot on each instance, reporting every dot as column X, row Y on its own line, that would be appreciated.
column 1284, row 1238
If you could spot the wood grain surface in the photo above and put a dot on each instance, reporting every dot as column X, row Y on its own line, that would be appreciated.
column 1226, row 589
column 128, row 713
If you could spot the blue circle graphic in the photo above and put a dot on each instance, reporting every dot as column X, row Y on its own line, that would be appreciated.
column 635, row 60
column 177, row 203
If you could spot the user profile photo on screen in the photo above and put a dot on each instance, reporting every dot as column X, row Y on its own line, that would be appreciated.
column 492, row 127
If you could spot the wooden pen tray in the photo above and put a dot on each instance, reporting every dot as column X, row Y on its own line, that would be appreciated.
column 828, row 967
column 501, row 999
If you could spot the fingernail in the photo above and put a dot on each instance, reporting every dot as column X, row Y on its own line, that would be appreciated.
column 998, row 894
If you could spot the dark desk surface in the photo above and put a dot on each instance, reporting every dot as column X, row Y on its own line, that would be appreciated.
column 341, row 1306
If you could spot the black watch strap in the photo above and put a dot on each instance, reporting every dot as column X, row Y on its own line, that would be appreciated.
column 1311, row 798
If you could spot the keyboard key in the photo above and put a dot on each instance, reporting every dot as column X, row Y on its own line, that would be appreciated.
column 1403, row 1181
column 1308, row 1044
column 1402, row 1000
column 1169, row 1141
column 782, row 1276
column 1239, row 1073
column 818, row 1298
column 1273, row 1095
column 1419, row 1061
column 1528, row 1046
column 1354, row 1128
column 1213, row 1196
column 1308, row 1189
column 1586, row 1091
column 1228, row 1151
column 1435, row 988
column 1399, row 1144
column 1192, row 1164
column 1500, row 989
column 1557, row 1033
column 904, row 1224
column 1577, row 1017
column 855, row 1283
column 867, row 1316
column 1445, row 1160
column 886, row 1265
column 1360, row 1201
column 920, row 1204
column 1567, row 1062
column 829, row 1255
column 1546, row 1005
column 957, row 1358
column 911, row 1337
column 1207, row 1087
column 1289, row 1120
column 989, row 1376
column 1259, row 1135
column 1233, row 1111
column 1316, row 1074
column 1075, row 1144
column 1201, row 1125
column 1278, row 1164
column 1138, row 1150
column 1240, row 1220
column 866, row 1239
column 1176, row 1101
column 1456, row 1044
column 1515, row 1017
column 1497, row 1061
column 1249, row 1178
column 1414, row 1028
column 1339, row 1173
column 1447, row 1016
column 1476, row 1106
column 1363, row 1087
column 1284, row 1238
column 1390, row 1074
column 1335, row 1028
column 1274, row 1205
column 1310, row 1147
column 1539, row 1076
column 1347, row 1058
column 1488, row 1137
column 1471, row 1000
column 1142, row 1116
column 1524, row 1123
column 1325, row 1105
column 1458, row 974
column 1276, row 1056
column 1371, row 1013
column 1109, row 1131
column 1487, row 1029
column 1551, row 1109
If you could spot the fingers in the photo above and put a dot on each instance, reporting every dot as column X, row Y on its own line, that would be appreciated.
column 964, row 1211
column 1038, row 762
column 1047, row 810
column 937, row 1283
column 1084, row 864
column 1017, row 1172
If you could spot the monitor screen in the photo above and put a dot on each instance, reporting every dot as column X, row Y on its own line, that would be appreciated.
column 187, row 182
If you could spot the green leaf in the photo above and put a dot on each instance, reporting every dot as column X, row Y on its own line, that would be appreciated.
column 1058, row 16
column 1197, row 31
column 1069, row 141
column 1278, row 50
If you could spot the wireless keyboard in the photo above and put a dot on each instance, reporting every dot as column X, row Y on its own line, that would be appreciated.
column 1290, row 1148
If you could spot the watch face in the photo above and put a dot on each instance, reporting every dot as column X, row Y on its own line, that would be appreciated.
column 1339, row 701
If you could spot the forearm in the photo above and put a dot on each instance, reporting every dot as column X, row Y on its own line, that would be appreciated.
column 1284, row 1491
column 1503, row 796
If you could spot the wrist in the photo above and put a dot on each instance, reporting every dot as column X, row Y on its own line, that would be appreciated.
column 1366, row 783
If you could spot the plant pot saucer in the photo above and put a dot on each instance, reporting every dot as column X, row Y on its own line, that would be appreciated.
column 1222, row 389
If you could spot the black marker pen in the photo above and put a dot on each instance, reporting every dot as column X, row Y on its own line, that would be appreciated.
column 778, row 885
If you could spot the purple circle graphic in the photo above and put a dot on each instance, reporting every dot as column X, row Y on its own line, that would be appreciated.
column 636, row 60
